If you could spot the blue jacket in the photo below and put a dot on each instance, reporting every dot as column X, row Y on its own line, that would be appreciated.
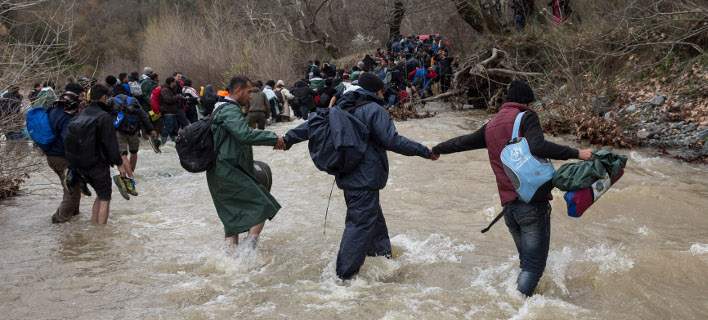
column 372, row 172
column 59, row 120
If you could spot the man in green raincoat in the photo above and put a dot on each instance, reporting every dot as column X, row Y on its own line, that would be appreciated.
column 242, row 203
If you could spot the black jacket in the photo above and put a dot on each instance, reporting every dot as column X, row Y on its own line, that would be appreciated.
column 531, row 130
column 304, row 96
column 107, row 144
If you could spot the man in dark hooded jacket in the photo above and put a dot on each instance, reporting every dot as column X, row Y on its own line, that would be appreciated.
column 365, row 232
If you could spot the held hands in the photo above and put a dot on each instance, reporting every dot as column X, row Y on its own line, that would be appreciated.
column 585, row 154
column 280, row 144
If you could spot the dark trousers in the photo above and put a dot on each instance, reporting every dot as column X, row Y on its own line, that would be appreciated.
column 530, row 226
column 69, row 205
column 256, row 119
column 191, row 114
column 182, row 120
column 274, row 110
column 170, row 125
column 365, row 232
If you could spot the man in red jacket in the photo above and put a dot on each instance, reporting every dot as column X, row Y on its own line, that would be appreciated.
column 528, row 223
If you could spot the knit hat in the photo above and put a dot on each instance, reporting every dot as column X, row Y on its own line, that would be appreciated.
column 280, row 83
column 520, row 92
column 147, row 71
column 370, row 82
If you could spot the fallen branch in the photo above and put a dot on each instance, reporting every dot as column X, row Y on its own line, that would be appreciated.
column 512, row 72
column 442, row 96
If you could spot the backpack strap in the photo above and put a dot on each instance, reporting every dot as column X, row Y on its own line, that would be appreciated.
column 517, row 125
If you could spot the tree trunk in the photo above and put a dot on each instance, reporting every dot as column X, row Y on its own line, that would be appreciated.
column 395, row 17
column 470, row 14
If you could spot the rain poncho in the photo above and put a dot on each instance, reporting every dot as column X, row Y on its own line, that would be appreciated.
column 240, row 200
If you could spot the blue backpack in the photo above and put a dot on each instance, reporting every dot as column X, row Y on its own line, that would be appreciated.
column 531, row 176
column 338, row 140
column 39, row 127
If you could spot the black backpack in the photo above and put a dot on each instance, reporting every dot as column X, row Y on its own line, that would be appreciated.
column 80, row 144
column 195, row 146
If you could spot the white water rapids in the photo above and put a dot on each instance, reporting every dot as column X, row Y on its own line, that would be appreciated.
column 641, row 252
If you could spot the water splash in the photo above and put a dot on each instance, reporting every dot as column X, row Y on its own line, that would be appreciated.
column 698, row 249
column 434, row 248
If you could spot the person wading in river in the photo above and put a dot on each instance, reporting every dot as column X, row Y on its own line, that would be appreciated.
column 365, row 231
column 528, row 223
column 59, row 117
column 91, row 148
column 243, row 205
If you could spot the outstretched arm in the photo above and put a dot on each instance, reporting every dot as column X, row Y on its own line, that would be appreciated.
column 297, row 135
column 467, row 142
column 384, row 131
column 235, row 124
column 531, row 128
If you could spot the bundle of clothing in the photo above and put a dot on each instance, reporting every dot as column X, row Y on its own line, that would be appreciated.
column 586, row 181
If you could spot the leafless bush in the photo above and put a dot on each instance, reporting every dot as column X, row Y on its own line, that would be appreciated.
column 36, row 49
column 210, row 50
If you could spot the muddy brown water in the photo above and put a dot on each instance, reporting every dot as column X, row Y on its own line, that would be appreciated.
column 641, row 252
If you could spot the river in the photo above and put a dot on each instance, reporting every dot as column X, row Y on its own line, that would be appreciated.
column 641, row 252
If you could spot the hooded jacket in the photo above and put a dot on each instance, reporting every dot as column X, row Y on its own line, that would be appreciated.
column 372, row 171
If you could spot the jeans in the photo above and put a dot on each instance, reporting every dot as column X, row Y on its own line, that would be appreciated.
column 169, row 127
column 274, row 110
column 365, row 232
column 530, row 226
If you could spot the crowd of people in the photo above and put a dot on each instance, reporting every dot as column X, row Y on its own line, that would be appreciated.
column 101, row 125
column 410, row 67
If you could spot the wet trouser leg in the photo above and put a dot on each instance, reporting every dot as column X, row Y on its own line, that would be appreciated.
column 380, row 243
column 69, row 206
column 530, row 226
column 364, row 232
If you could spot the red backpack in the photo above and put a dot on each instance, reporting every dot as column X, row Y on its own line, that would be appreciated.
column 155, row 99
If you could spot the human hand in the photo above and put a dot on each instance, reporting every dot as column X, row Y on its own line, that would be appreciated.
column 280, row 144
column 153, row 134
column 585, row 154
column 121, row 170
column 434, row 157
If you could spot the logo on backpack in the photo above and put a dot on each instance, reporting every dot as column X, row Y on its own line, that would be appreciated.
column 528, row 173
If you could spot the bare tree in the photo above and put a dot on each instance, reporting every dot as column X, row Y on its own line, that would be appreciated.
column 33, row 47
column 395, row 18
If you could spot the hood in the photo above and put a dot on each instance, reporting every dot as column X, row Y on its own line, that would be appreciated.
column 356, row 98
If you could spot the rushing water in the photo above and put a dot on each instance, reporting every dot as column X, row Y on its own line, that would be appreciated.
column 641, row 252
